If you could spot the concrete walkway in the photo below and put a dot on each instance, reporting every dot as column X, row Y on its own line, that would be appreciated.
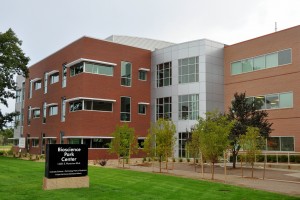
column 289, row 186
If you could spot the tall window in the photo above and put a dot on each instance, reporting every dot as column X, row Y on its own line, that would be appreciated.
column 63, row 109
column 142, row 109
column 29, row 115
column 37, row 85
column 30, row 89
column 45, row 83
column 142, row 75
column 18, row 96
column 164, row 108
column 274, row 59
column 126, row 73
column 44, row 112
column 164, row 74
column 54, row 78
column 188, row 70
column 53, row 110
column 64, row 76
column 36, row 113
column 188, row 107
column 182, row 147
column 125, row 109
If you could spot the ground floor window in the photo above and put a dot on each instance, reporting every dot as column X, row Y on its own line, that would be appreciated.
column 141, row 143
column 282, row 143
column 183, row 137
column 35, row 142
column 100, row 143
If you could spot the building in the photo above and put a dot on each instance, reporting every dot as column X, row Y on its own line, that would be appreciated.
column 81, row 92
column 268, row 68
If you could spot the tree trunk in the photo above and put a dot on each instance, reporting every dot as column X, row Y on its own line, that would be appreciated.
column 167, row 163
column 213, row 171
column 123, row 162
column 234, row 158
column 252, row 167
column 242, row 166
column 202, row 167
column 195, row 164
column 160, row 164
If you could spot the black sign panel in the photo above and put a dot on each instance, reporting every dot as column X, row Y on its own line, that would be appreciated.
column 66, row 160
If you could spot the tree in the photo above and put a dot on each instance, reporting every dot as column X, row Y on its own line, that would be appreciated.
column 160, row 140
column 246, row 113
column 213, row 132
column 194, row 145
column 12, row 61
column 251, row 143
column 124, row 143
column 5, row 134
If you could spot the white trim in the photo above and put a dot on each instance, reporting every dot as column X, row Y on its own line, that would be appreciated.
column 13, row 138
column 35, row 79
column 52, row 72
column 52, row 104
column 143, row 103
column 88, row 98
column 87, row 137
column 49, row 137
column 35, row 108
column 89, row 60
column 33, row 138
column 142, row 137
column 144, row 69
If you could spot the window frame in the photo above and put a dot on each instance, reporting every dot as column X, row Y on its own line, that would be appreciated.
column 121, row 112
column 51, row 108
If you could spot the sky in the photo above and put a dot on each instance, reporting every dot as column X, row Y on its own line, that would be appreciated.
column 46, row 26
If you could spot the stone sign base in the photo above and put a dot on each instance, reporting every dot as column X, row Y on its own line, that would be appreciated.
column 70, row 182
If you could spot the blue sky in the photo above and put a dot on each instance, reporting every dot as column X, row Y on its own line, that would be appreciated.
column 46, row 26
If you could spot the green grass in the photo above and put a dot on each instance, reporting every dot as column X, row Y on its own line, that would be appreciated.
column 8, row 147
column 20, row 179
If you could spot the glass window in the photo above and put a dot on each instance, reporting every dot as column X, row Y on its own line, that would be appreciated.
column 188, row 70
column 247, row 65
column 76, row 69
column 126, row 73
column 142, row 109
column 141, row 143
column 29, row 115
column 18, row 96
column 164, row 108
column 53, row 110
column 125, row 109
column 75, row 105
column 273, row 144
column 286, row 100
column 36, row 113
column 102, row 143
column 54, row 78
column 259, row 63
column 44, row 112
column 45, row 83
column 164, row 74
column 272, row 60
column 63, row 109
column 102, row 106
column 285, row 57
column 182, row 148
column 272, row 101
column 64, row 76
column 35, row 142
column 74, row 141
column 30, row 89
column 142, row 75
column 287, row 143
column 97, row 68
column 260, row 101
column 236, row 68
column 37, row 85
column 188, row 107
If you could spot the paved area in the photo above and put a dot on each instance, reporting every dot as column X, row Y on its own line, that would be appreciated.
column 276, row 180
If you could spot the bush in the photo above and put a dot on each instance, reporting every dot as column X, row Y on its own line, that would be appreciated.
column 295, row 158
column 1, row 152
column 188, row 160
column 283, row 158
column 180, row 159
column 174, row 160
column 103, row 162
column 144, row 160
column 271, row 158
column 197, row 160
column 260, row 158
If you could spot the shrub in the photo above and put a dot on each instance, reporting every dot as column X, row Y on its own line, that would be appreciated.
column 260, row 158
column 282, row 158
column 188, row 160
column 174, row 160
column 103, row 162
column 271, row 158
column 197, row 160
column 180, row 159
column 144, row 160
column 1, row 152
column 295, row 158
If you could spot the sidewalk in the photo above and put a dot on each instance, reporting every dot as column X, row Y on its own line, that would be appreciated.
column 283, row 181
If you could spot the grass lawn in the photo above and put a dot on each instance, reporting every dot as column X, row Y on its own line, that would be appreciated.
column 20, row 179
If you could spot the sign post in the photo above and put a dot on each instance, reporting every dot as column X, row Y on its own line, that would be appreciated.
column 66, row 166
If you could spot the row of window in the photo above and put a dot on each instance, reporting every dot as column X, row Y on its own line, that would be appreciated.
column 87, row 67
column 283, row 143
column 189, row 104
column 273, row 101
column 86, row 104
column 274, row 59
column 99, row 143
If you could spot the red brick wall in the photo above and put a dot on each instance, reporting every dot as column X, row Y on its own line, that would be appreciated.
column 90, row 123
column 268, row 81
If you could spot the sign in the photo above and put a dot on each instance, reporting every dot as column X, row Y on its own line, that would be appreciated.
column 66, row 160
column 22, row 142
